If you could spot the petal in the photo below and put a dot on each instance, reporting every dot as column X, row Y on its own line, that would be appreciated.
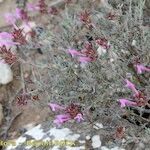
column 74, row 52
column 60, row 119
column 63, row 117
column 6, row 35
column 79, row 117
column 141, row 68
column 8, row 43
column 85, row 59
column 32, row 7
column 55, row 107
column 126, row 102
column 131, row 86
column 57, row 122
column 18, row 13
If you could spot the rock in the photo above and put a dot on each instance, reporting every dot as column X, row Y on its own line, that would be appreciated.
column 96, row 142
column 1, row 114
column 97, row 126
column 48, row 137
column 101, row 51
column 6, row 74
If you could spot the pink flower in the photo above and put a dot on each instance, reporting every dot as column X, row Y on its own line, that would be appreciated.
column 79, row 117
column 18, row 13
column 141, row 68
column 60, row 119
column 72, row 111
column 74, row 52
column 125, row 102
column 11, row 18
column 55, row 107
column 5, row 35
column 131, row 86
column 21, row 14
column 7, row 39
column 85, row 59
column 84, row 56
column 32, row 7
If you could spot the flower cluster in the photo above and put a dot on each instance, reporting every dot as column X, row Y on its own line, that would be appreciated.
column 86, row 19
column 22, row 14
column 18, row 33
column 139, row 98
column 18, row 36
column 23, row 98
column 8, row 55
column 73, row 111
column 6, row 42
column 141, row 68
column 103, row 42
column 42, row 7
column 84, row 56
column 88, row 54
column 19, row 14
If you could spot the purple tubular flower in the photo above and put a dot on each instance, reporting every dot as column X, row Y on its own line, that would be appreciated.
column 131, row 86
column 6, row 35
column 71, row 112
column 74, row 52
column 7, row 39
column 79, row 117
column 125, row 102
column 55, row 107
column 18, row 13
column 60, row 119
column 85, row 59
column 141, row 68
column 32, row 7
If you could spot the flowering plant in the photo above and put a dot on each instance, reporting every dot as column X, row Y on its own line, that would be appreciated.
column 73, row 111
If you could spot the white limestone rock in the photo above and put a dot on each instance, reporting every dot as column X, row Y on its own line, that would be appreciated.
column 96, row 142
column 97, row 126
column 6, row 74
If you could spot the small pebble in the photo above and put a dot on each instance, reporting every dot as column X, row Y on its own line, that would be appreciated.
column 96, row 142
column 88, row 137
column 98, row 126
